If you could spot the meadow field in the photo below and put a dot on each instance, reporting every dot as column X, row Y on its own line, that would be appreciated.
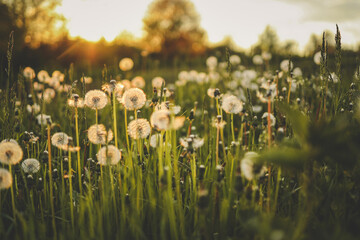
column 219, row 151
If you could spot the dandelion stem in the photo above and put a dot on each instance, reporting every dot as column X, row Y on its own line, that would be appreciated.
column 12, row 197
column 50, row 180
column 115, row 123
column 126, row 131
column 71, row 190
column 78, row 145
column 232, row 127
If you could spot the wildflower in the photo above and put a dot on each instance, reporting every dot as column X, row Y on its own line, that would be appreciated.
column 87, row 80
column 183, row 76
column 126, row 64
column 158, row 82
column 43, row 76
column 235, row 60
column 29, row 73
column 266, row 56
column 113, row 86
column 211, row 62
column 48, row 95
column 138, row 82
column 258, row 60
column 108, row 155
column 160, row 119
column 218, row 122
column 297, row 72
column 43, row 119
column 154, row 140
column 59, row 139
column 192, row 142
column 64, row 88
column 30, row 165
column 213, row 92
column 165, row 93
column 232, row 104
column 70, row 148
column 97, row 134
column 317, row 58
column 139, row 128
column 96, row 99
column 75, row 101
column 38, row 86
column 10, row 153
column 177, row 122
column 272, row 118
column 133, row 99
column 250, row 168
column 126, row 83
column 33, row 108
column 5, row 179
column 284, row 65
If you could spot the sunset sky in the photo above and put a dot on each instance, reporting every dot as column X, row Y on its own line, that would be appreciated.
column 244, row 20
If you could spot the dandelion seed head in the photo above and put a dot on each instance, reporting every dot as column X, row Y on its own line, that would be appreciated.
column 317, row 58
column 30, row 165
column 126, row 64
column 10, row 153
column 43, row 119
column 232, row 104
column 160, row 120
column 96, row 99
column 158, row 82
column 211, row 62
column 35, row 108
column 250, row 168
column 139, row 128
column 59, row 139
column 138, row 82
column 235, row 59
column 133, row 99
column 97, row 134
column 42, row 76
column 5, row 179
column 257, row 60
column 108, row 155
column 29, row 73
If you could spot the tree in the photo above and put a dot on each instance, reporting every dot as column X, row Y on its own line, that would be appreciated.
column 268, row 40
column 37, row 19
column 173, row 27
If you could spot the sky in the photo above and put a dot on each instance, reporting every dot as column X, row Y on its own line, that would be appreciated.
column 243, row 20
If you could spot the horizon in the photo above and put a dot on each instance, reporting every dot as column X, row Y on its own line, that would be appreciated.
column 288, row 19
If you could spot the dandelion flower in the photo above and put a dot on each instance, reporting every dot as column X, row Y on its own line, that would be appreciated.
column 30, row 165
column 33, row 108
column 87, row 80
column 232, row 104
column 211, row 62
column 10, row 153
column 5, row 179
column 9, row 140
column 139, row 128
column 235, row 60
column 178, row 122
column 155, row 140
column 158, row 82
column 97, row 134
column 108, row 155
column 29, row 73
column 213, row 92
column 218, row 124
column 126, row 83
column 258, row 60
column 69, row 148
column 134, row 99
column 113, row 86
column 160, row 119
column 59, row 139
column 96, row 99
column 48, row 95
column 250, row 168
column 138, row 82
column 272, row 118
column 126, row 64
column 266, row 56
column 76, row 102
column 38, row 86
column 43, row 76
column 43, row 119
column 284, row 65
column 317, row 58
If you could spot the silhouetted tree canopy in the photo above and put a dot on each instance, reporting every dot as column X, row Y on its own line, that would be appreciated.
column 173, row 27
